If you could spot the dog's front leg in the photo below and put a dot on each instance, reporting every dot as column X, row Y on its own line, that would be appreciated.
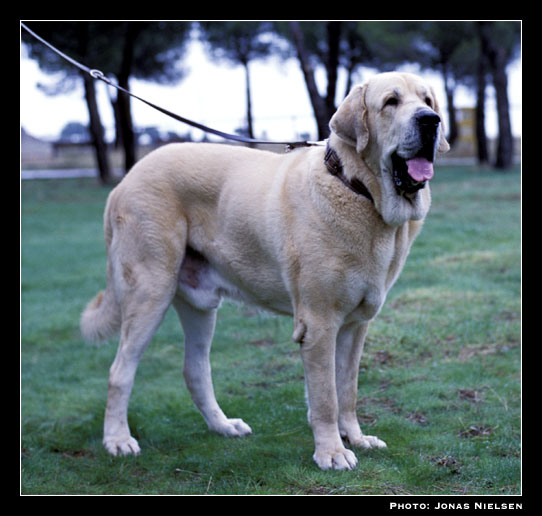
column 350, row 342
column 318, row 353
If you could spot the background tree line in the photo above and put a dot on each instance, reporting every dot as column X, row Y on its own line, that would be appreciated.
column 473, row 54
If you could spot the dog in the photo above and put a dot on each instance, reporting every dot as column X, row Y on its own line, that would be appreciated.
column 319, row 234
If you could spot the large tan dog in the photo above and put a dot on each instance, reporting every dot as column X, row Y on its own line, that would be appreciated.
column 320, row 234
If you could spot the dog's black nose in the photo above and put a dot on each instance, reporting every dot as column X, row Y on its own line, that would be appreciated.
column 427, row 117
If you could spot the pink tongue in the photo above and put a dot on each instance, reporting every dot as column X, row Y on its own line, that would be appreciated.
column 420, row 169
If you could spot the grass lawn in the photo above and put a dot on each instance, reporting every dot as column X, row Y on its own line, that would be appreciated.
column 439, row 381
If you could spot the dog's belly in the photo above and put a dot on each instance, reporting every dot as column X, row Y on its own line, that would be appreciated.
column 204, row 287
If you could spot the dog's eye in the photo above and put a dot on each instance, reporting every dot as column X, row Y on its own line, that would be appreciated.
column 392, row 101
column 428, row 102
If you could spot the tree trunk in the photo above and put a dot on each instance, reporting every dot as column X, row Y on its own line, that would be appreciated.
column 250, row 128
column 115, row 108
column 452, row 122
column 123, row 101
column 481, row 139
column 497, row 61
column 96, row 130
column 95, row 124
column 350, row 73
column 317, row 102
column 332, row 64
column 505, row 146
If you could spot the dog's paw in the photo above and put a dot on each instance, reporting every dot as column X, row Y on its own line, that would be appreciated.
column 339, row 459
column 233, row 428
column 370, row 441
column 125, row 445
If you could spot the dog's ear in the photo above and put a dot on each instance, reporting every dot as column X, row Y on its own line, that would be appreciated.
column 443, row 145
column 349, row 122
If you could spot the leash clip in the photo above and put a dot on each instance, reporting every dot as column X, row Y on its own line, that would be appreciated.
column 97, row 74
column 294, row 145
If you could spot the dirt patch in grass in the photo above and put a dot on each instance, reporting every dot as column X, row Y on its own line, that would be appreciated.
column 418, row 418
column 476, row 431
column 470, row 395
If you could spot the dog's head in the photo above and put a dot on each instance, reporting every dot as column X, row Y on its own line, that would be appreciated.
column 394, row 123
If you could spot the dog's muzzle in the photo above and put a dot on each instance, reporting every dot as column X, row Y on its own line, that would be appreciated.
column 411, row 172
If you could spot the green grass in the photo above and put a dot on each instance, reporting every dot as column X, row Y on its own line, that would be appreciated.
column 439, row 381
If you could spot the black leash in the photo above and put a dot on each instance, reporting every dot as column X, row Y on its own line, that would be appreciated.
column 97, row 74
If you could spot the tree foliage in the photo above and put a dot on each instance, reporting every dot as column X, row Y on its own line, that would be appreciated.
column 238, row 43
column 462, row 52
column 147, row 50
column 473, row 54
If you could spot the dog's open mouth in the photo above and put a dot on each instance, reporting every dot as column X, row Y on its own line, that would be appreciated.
column 409, row 175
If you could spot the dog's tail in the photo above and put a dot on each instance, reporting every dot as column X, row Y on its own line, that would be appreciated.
column 101, row 318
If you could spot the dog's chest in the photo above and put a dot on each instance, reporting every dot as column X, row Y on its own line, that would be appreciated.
column 378, row 267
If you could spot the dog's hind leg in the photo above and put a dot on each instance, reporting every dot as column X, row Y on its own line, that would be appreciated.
column 144, row 260
column 142, row 314
column 199, row 326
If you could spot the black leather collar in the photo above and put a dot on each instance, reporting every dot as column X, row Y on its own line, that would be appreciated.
column 335, row 168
